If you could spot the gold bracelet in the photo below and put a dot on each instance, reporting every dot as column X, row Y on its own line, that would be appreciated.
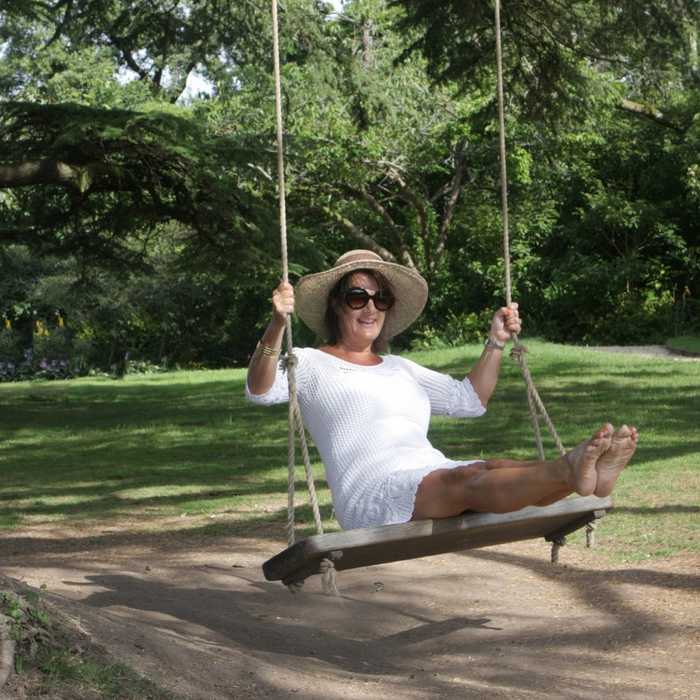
column 267, row 350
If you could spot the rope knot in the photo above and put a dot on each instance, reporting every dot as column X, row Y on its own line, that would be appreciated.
column 290, row 361
column 517, row 353
column 328, row 579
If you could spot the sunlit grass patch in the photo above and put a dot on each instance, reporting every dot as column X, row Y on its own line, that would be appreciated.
column 187, row 446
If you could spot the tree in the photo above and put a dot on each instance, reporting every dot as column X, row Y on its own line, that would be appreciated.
column 554, row 50
column 602, row 99
column 90, row 187
column 377, row 157
column 160, row 42
column 128, row 160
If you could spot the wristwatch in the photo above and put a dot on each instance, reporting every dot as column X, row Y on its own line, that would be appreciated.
column 491, row 343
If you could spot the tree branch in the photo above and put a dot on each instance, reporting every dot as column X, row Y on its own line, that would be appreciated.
column 359, row 235
column 409, row 196
column 380, row 209
column 62, row 24
column 376, row 206
column 451, row 204
column 128, row 58
column 40, row 172
column 648, row 112
column 55, row 172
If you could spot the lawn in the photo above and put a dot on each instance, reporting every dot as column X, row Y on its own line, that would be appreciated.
column 185, row 451
column 689, row 344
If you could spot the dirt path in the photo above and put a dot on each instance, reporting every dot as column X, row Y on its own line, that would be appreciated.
column 647, row 351
column 197, row 617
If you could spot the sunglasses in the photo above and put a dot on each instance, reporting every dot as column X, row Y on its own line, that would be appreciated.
column 358, row 298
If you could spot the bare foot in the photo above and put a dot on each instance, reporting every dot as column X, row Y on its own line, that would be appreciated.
column 582, row 461
column 609, row 466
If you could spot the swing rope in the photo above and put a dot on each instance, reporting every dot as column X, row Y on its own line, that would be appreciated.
column 536, row 407
column 518, row 353
column 294, row 416
column 535, row 403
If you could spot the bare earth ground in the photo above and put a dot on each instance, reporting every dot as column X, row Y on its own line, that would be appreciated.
column 195, row 615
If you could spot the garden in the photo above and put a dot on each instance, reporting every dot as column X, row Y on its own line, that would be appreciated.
column 140, row 493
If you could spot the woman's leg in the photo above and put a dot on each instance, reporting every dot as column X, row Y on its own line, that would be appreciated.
column 501, row 486
column 552, row 498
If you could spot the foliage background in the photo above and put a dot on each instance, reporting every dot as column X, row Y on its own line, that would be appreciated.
column 143, row 215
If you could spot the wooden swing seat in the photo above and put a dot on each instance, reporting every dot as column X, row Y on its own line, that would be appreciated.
column 421, row 538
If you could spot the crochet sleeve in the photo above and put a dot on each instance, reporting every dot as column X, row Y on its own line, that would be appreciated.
column 448, row 396
column 279, row 391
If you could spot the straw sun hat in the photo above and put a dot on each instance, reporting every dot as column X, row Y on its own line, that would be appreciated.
column 409, row 288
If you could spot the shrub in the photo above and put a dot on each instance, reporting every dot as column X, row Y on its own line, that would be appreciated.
column 10, row 346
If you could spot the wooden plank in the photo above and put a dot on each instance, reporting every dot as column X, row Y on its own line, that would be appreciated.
column 355, row 548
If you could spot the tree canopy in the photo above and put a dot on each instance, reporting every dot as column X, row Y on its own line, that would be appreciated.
column 554, row 51
column 114, row 172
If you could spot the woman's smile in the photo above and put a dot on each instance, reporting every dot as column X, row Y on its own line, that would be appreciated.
column 362, row 326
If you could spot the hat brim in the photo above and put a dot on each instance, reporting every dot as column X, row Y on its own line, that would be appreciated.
column 409, row 288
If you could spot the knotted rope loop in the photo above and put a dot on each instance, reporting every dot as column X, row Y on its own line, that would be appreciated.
column 290, row 360
column 517, row 351
column 328, row 578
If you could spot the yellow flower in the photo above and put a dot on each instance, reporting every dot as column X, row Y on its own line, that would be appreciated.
column 8, row 324
column 60, row 321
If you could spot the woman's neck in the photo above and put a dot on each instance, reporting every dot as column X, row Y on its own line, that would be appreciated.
column 364, row 355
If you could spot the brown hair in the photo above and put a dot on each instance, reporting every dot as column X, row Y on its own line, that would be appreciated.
column 331, row 320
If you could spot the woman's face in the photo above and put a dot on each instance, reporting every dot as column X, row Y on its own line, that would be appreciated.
column 360, row 327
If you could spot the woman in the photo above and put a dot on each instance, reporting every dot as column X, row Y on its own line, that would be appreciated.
column 369, row 413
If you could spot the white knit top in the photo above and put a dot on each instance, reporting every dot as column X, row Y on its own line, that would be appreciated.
column 370, row 425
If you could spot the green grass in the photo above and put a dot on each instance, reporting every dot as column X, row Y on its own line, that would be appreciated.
column 184, row 452
column 685, row 343
column 55, row 658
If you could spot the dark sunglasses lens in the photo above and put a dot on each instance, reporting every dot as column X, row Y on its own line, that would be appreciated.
column 383, row 301
column 359, row 298
column 356, row 298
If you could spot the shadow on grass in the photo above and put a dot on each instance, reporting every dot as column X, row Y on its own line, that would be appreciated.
column 102, row 501
column 78, row 447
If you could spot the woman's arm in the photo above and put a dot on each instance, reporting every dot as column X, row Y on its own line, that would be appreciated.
column 263, row 364
column 484, row 374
